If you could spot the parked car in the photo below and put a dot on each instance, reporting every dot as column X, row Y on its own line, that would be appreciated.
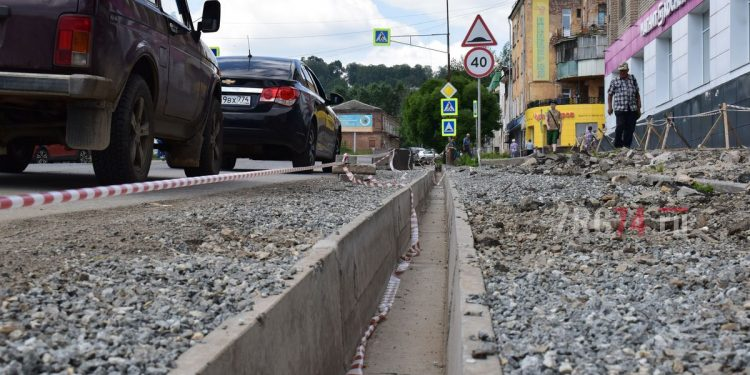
column 426, row 155
column 415, row 152
column 276, row 109
column 109, row 76
column 53, row 153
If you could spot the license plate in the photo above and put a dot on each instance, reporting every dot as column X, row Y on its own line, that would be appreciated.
column 235, row 100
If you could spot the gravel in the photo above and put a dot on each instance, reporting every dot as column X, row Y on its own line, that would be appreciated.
column 572, row 294
column 79, row 297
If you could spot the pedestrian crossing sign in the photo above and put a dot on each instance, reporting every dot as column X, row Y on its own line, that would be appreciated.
column 381, row 37
column 449, row 107
column 449, row 127
column 216, row 51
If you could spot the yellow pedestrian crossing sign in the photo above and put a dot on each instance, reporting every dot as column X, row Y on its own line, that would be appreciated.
column 381, row 37
column 449, row 107
column 449, row 127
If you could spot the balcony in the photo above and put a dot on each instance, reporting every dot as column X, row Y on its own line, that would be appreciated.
column 580, row 56
column 567, row 69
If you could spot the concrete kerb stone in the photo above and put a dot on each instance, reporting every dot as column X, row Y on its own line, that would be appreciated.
column 313, row 327
column 512, row 162
column 727, row 187
column 465, row 279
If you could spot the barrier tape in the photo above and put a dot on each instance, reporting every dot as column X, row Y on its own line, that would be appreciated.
column 358, row 362
column 57, row 197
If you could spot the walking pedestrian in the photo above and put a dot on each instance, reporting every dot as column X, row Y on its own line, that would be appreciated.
column 450, row 151
column 625, row 102
column 514, row 149
column 529, row 148
column 554, row 123
column 467, row 144
column 588, row 139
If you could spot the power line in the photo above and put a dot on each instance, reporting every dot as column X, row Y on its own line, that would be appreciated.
column 360, row 20
column 352, row 32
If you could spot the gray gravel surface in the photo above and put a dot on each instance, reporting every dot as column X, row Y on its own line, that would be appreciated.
column 128, row 290
column 571, row 294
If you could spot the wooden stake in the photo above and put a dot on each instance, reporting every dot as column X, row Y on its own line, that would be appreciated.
column 666, row 136
column 726, row 125
column 648, row 133
column 710, row 131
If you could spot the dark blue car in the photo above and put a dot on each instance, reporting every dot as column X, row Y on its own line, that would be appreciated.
column 276, row 109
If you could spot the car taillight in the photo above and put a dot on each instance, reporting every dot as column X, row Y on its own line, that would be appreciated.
column 285, row 95
column 73, row 45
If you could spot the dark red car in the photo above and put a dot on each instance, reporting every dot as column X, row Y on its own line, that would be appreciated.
column 110, row 76
column 54, row 153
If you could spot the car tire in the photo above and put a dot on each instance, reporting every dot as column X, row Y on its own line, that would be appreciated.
column 336, row 151
column 84, row 156
column 213, row 144
column 41, row 156
column 228, row 163
column 128, row 157
column 307, row 157
column 18, row 158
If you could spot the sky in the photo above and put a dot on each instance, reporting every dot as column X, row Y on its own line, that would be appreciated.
column 342, row 29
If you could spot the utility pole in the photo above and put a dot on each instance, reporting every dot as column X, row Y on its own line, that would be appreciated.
column 448, row 36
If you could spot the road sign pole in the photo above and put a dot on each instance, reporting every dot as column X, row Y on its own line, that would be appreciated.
column 479, row 122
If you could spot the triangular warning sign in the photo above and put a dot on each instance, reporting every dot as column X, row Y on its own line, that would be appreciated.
column 449, row 107
column 479, row 35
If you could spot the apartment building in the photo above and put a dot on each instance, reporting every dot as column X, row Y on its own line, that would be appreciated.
column 689, row 57
column 557, row 53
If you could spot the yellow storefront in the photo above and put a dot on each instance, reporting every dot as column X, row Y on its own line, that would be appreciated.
column 575, row 119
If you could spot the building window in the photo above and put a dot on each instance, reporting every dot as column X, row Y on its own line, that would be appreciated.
column 567, row 93
column 566, row 22
column 623, row 8
column 706, row 47
column 602, row 16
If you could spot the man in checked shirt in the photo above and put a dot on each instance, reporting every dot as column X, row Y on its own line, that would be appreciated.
column 625, row 101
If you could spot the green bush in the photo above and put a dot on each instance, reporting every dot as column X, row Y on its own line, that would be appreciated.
column 495, row 155
column 467, row 161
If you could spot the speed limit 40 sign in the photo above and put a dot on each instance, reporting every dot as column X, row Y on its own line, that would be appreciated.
column 479, row 62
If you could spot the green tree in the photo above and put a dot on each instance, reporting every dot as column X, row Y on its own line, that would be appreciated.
column 421, row 120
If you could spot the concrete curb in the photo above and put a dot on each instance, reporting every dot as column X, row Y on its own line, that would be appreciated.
column 512, row 162
column 315, row 325
column 728, row 187
column 465, row 279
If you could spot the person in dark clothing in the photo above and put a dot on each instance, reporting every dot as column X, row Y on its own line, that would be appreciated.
column 467, row 145
column 625, row 102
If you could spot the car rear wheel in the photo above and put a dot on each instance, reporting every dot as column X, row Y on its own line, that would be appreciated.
column 228, row 163
column 336, row 151
column 307, row 157
column 131, row 146
column 41, row 156
column 18, row 158
column 213, row 144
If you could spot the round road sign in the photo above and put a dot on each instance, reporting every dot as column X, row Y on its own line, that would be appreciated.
column 479, row 62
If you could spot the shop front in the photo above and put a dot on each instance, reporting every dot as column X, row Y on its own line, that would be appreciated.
column 575, row 119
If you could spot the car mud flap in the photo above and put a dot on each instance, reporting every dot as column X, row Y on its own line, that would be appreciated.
column 185, row 154
column 88, row 125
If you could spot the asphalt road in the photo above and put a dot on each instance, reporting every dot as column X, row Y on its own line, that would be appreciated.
column 61, row 176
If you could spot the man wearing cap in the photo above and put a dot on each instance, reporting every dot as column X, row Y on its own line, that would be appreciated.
column 625, row 102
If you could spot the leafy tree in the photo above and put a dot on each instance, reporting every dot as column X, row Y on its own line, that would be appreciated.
column 421, row 119
column 503, row 59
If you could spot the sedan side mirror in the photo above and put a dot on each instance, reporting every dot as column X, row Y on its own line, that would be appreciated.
column 335, row 99
column 211, row 17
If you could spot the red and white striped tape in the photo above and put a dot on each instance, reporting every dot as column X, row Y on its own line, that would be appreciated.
column 55, row 197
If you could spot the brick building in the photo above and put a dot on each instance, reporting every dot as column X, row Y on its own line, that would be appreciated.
column 557, row 53
column 366, row 127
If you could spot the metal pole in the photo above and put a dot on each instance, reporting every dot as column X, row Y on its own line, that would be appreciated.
column 479, row 122
column 448, row 36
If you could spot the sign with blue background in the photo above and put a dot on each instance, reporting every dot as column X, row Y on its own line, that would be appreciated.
column 449, row 107
column 356, row 123
column 449, row 127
